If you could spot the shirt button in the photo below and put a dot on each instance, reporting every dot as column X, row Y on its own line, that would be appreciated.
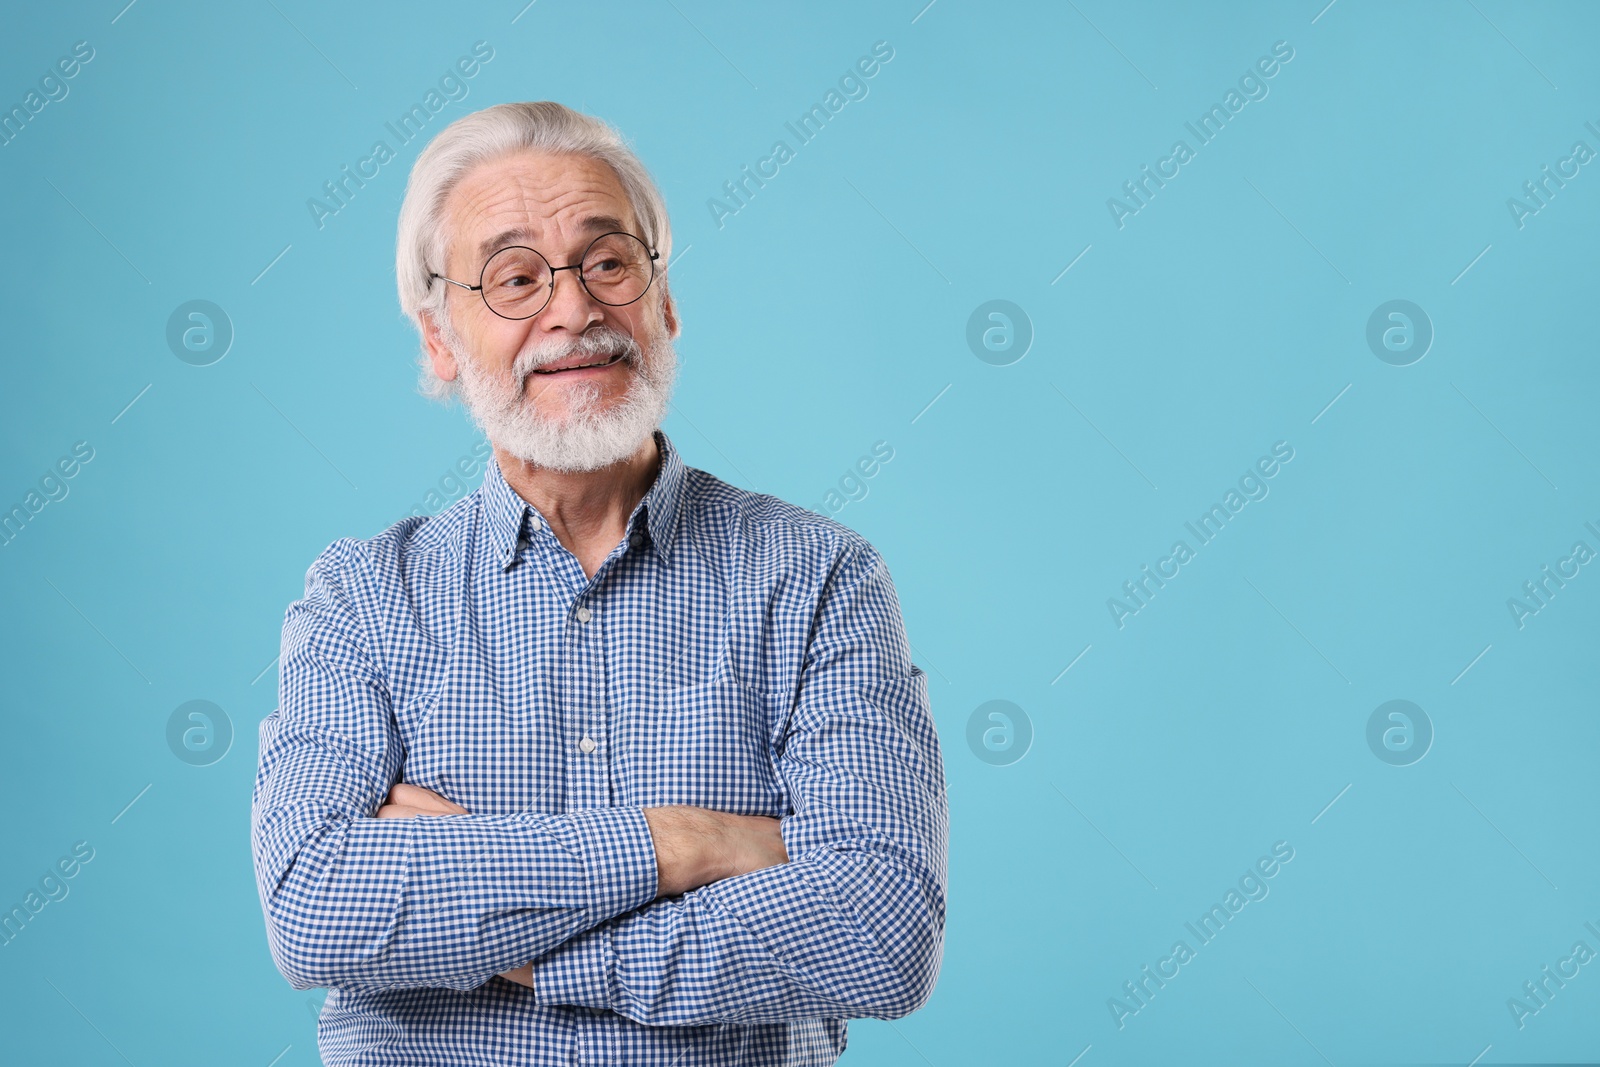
column 584, row 614
column 586, row 745
column 636, row 540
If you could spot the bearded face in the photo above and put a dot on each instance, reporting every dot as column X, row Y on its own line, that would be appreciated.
column 550, row 409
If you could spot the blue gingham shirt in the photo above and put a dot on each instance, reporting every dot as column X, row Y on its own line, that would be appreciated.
column 733, row 652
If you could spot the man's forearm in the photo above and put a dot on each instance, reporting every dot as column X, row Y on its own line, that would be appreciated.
column 355, row 901
column 846, row 935
column 696, row 846
column 692, row 846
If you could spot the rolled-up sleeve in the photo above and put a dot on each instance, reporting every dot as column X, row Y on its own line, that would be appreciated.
column 853, row 925
column 356, row 901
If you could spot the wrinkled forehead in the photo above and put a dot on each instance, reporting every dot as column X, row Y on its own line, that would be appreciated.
column 554, row 203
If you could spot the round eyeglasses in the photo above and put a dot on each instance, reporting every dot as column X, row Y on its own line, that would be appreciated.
column 517, row 282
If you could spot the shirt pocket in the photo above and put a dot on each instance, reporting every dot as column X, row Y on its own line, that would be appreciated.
column 465, row 744
column 709, row 745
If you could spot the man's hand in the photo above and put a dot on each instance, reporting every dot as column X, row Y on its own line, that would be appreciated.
column 406, row 801
column 694, row 846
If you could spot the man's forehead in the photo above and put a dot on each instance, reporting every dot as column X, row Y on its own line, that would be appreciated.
column 532, row 197
column 532, row 235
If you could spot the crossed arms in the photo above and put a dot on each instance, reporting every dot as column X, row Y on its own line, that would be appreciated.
column 709, row 920
column 693, row 846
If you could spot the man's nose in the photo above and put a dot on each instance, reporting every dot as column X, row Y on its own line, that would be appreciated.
column 570, row 306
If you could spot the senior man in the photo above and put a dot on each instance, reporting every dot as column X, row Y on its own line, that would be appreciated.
column 610, row 761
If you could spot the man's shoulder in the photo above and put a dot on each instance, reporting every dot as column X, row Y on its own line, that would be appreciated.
column 775, row 528
column 402, row 546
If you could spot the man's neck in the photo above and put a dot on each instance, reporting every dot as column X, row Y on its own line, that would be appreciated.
column 587, row 510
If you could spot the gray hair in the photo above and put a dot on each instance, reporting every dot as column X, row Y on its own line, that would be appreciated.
column 543, row 125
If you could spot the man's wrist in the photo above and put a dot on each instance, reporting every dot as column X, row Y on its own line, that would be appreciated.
column 685, row 842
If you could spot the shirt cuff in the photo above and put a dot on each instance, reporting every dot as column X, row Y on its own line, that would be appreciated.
column 619, row 858
column 576, row 975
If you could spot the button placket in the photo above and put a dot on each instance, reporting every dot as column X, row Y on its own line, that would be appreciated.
column 586, row 714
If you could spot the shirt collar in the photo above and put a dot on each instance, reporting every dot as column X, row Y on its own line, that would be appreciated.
column 507, row 513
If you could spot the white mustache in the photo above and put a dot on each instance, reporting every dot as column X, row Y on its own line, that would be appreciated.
column 599, row 341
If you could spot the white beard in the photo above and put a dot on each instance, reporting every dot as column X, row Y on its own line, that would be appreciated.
column 586, row 438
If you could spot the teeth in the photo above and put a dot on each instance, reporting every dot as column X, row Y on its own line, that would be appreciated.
column 602, row 363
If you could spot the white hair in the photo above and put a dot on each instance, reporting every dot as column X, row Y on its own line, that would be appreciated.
column 542, row 125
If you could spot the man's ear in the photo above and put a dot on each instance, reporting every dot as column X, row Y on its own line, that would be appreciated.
column 669, row 310
column 444, row 361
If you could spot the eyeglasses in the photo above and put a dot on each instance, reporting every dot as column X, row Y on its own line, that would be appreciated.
column 517, row 282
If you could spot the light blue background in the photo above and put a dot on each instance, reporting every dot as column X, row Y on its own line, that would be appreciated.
column 823, row 317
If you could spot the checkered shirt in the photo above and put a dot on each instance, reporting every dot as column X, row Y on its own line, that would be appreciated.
column 733, row 652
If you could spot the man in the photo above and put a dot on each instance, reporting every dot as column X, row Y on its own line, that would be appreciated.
column 609, row 762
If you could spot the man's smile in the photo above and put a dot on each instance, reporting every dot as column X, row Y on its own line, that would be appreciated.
column 572, row 366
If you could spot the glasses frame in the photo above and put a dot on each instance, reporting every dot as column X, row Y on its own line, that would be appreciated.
column 576, row 268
